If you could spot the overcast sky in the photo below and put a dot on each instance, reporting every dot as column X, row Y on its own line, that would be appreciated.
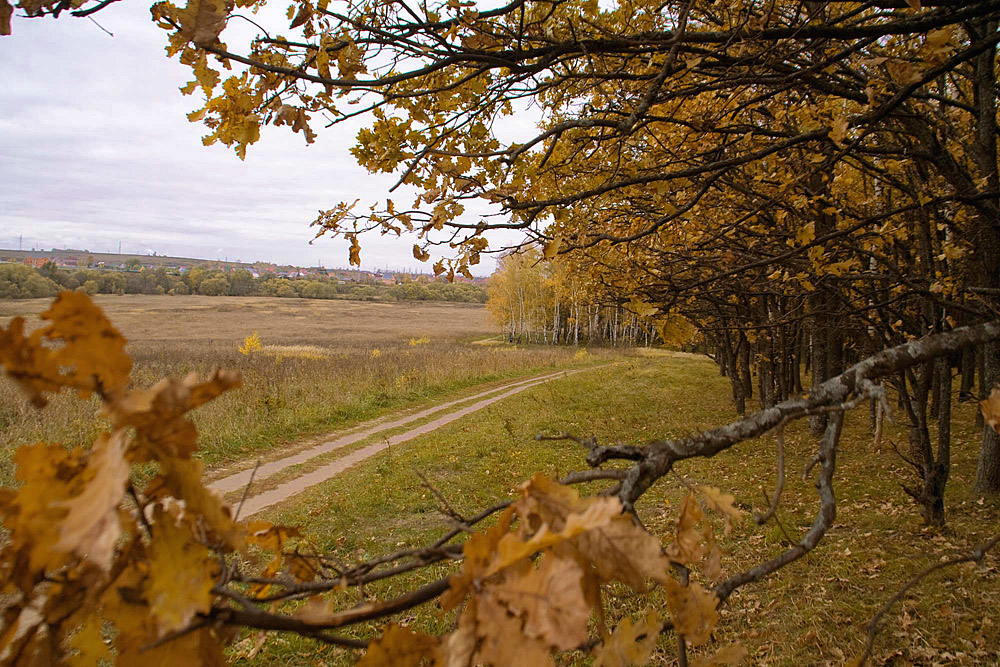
column 95, row 150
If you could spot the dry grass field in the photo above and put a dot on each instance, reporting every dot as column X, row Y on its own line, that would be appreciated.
column 322, row 365
column 227, row 320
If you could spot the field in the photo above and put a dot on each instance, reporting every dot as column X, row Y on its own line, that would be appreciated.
column 811, row 613
column 322, row 365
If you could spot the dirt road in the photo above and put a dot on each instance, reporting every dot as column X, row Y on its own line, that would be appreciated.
column 442, row 414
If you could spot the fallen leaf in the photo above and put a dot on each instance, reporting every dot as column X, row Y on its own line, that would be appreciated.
column 727, row 656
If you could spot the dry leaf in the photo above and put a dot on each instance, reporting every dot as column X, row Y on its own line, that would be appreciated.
column 693, row 610
column 6, row 11
column 727, row 656
column 687, row 547
column 622, row 551
column 991, row 409
column 551, row 601
column 551, row 249
column 91, row 526
column 158, row 414
column 723, row 503
column 202, row 20
column 502, row 640
column 629, row 644
column 400, row 647
column 181, row 573
column 91, row 356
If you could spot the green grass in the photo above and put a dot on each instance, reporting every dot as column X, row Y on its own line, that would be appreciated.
column 810, row 613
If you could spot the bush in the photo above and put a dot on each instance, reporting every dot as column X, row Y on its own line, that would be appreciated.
column 286, row 290
column 22, row 282
column 214, row 287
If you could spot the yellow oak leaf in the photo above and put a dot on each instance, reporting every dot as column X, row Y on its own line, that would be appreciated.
column 550, row 599
column 6, row 11
column 181, row 479
column 400, row 646
column 355, row 251
column 157, row 413
column 92, row 347
column 33, row 514
column 629, row 644
column 991, row 409
column 642, row 309
column 91, row 526
column 502, row 640
column 202, row 20
column 693, row 610
column 551, row 249
column 182, row 572
column 839, row 131
column 91, row 356
column 596, row 513
column 806, row 234
column 687, row 547
column 723, row 503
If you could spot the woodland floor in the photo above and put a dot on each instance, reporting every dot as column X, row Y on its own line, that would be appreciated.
column 811, row 613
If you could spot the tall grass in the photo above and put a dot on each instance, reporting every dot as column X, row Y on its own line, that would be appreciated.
column 288, row 391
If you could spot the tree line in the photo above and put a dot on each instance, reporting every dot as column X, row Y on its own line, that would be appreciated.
column 555, row 302
column 18, row 281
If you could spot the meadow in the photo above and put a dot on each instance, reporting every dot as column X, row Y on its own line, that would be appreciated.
column 322, row 365
column 813, row 612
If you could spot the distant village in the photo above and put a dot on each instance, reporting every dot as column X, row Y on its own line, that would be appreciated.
column 84, row 259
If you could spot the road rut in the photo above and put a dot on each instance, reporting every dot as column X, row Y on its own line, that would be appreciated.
column 285, row 490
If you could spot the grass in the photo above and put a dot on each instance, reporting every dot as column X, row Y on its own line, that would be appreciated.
column 811, row 613
column 315, row 372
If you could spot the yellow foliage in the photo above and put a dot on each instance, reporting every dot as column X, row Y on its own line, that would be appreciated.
column 250, row 344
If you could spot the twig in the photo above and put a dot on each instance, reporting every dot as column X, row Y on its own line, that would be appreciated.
column 140, row 508
column 682, row 658
column 109, row 33
column 763, row 518
column 976, row 555
column 246, row 490
column 177, row 634
column 447, row 508
column 267, row 621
